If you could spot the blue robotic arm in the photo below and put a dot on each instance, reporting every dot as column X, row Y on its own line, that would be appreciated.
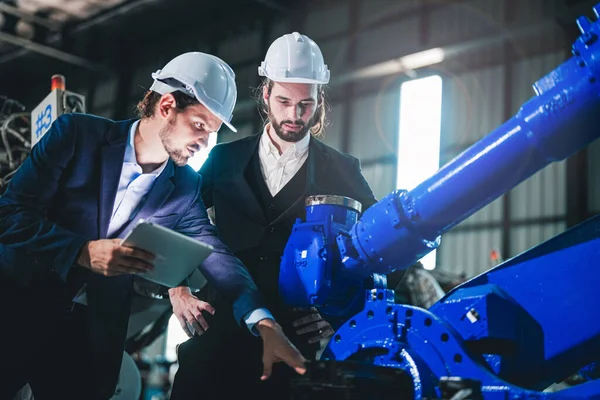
column 511, row 331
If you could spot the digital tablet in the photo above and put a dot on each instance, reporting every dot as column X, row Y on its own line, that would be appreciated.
column 177, row 255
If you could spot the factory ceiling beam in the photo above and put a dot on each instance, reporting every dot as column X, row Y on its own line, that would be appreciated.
column 52, row 52
column 48, row 23
column 83, row 26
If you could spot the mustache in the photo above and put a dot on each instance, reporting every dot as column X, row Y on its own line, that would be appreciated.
column 290, row 122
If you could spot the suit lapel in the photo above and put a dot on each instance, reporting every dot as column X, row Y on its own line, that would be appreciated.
column 317, row 163
column 112, row 162
column 248, row 201
column 160, row 192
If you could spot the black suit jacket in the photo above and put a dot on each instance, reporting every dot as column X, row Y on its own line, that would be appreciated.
column 238, row 213
column 240, row 217
column 63, row 195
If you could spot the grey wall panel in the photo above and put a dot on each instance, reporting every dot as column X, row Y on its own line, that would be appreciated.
column 468, row 252
column 374, row 125
column 380, row 178
column 525, row 237
column 394, row 39
column 594, row 176
column 491, row 213
column 466, row 20
column 526, row 72
column 472, row 107
column 333, row 134
column 241, row 48
column 372, row 12
column 335, row 53
column 246, row 80
column 542, row 195
column 326, row 21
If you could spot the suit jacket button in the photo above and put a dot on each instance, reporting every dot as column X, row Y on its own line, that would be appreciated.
column 271, row 206
column 271, row 229
column 263, row 258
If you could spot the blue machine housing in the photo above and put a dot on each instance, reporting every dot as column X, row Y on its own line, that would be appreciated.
column 515, row 329
column 307, row 273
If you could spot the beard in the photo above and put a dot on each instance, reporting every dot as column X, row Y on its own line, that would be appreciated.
column 179, row 155
column 291, row 136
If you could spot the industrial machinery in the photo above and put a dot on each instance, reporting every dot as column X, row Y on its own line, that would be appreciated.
column 506, row 334
column 58, row 102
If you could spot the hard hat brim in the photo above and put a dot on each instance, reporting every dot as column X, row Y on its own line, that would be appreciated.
column 161, row 88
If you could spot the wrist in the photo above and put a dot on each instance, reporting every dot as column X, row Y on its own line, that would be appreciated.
column 179, row 291
column 267, row 325
column 83, row 260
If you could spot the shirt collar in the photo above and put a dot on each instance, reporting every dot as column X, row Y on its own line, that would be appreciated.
column 130, row 151
column 297, row 149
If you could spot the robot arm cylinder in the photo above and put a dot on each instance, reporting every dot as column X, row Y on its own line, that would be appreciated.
column 562, row 119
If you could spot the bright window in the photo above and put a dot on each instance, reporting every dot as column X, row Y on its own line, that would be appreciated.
column 201, row 156
column 419, row 136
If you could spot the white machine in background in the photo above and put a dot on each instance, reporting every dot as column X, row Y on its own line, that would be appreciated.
column 58, row 102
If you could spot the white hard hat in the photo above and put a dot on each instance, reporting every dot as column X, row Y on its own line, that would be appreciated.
column 202, row 76
column 294, row 58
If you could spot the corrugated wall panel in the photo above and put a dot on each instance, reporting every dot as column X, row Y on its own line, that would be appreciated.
column 468, row 252
column 240, row 48
column 372, row 11
column 525, row 237
column 380, row 178
column 325, row 21
column 465, row 21
column 335, row 52
column 472, row 107
column 544, row 194
column 333, row 134
column 394, row 39
column 374, row 125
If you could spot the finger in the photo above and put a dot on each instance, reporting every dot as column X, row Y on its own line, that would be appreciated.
column 206, row 307
column 294, row 359
column 306, row 320
column 312, row 327
column 121, row 269
column 136, row 263
column 193, row 325
column 267, row 367
column 116, row 270
column 199, row 318
column 184, row 326
column 137, row 253
column 196, row 326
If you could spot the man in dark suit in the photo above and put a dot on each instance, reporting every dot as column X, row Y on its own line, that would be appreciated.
column 257, row 187
column 66, row 281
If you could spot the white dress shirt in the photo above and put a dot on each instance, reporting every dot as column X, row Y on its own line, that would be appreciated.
column 134, row 186
column 278, row 170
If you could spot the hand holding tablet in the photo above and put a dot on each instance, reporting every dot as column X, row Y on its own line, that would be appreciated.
column 177, row 255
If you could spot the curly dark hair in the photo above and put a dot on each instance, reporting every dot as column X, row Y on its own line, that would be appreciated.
column 146, row 107
column 320, row 114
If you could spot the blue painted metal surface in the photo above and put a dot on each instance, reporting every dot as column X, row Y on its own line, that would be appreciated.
column 515, row 329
